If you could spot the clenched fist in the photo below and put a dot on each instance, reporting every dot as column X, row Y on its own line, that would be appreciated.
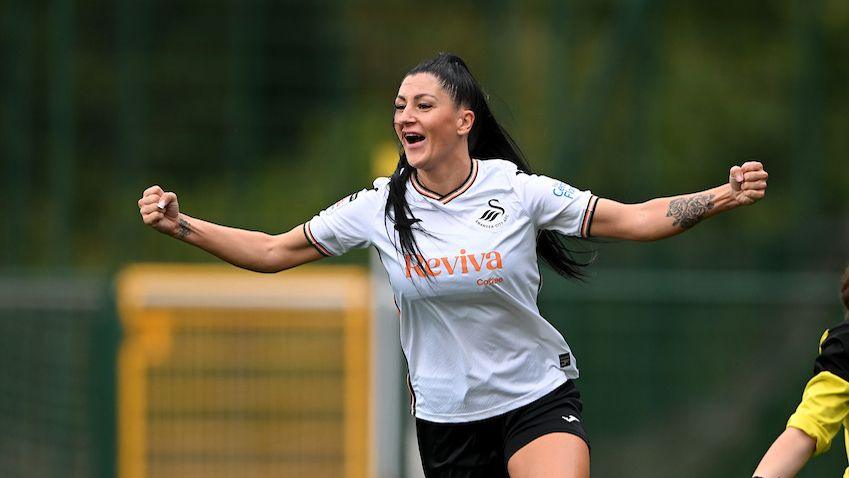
column 748, row 182
column 160, row 210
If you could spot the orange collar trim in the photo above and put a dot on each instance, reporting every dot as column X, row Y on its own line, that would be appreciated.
column 470, row 179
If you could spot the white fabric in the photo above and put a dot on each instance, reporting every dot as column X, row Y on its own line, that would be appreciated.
column 475, row 342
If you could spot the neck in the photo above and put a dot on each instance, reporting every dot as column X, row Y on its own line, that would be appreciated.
column 446, row 176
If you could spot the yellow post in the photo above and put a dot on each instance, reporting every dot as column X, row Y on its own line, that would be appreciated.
column 225, row 371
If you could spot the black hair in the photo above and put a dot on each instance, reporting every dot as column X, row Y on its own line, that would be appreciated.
column 844, row 290
column 487, row 140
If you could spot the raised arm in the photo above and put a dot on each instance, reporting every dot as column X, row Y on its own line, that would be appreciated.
column 665, row 217
column 252, row 250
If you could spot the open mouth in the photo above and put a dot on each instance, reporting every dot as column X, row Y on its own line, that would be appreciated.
column 413, row 138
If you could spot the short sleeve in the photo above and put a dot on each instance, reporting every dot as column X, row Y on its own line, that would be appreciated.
column 555, row 205
column 347, row 224
column 824, row 406
column 825, row 401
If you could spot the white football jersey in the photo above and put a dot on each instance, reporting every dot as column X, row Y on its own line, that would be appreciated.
column 475, row 343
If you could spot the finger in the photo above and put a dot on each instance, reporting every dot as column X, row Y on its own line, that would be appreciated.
column 149, row 208
column 755, row 194
column 753, row 185
column 755, row 175
column 752, row 166
column 166, row 199
column 155, row 189
column 149, row 199
column 736, row 173
column 153, row 218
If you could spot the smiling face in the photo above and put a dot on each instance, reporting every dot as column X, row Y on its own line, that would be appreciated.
column 428, row 123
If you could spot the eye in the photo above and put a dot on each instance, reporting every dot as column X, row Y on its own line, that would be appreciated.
column 425, row 106
column 399, row 106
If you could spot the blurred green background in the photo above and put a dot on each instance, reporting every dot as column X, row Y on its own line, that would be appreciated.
column 260, row 113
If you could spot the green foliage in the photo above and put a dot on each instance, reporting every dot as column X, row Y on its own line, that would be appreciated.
column 260, row 114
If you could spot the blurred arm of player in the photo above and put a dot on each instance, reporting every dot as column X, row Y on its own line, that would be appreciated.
column 665, row 217
column 252, row 250
column 787, row 455
column 820, row 414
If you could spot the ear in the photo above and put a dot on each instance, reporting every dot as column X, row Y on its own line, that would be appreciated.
column 465, row 121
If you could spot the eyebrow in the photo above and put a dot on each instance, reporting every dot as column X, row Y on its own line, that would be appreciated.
column 416, row 97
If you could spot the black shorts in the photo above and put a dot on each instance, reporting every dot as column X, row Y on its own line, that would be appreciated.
column 482, row 448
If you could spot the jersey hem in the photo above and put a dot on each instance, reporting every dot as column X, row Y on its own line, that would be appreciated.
column 492, row 412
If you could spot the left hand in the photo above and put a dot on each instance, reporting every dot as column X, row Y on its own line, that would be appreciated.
column 748, row 182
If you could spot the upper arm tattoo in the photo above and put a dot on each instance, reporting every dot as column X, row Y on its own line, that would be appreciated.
column 688, row 211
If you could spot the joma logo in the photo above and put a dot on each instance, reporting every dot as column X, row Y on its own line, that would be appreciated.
column 460, row 264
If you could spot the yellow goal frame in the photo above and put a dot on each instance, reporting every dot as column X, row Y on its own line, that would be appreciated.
column 151, row 298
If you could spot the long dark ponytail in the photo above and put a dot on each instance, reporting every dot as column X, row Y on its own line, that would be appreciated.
column 487, row 140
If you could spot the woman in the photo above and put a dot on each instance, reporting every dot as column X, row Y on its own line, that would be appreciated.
column 824, row 407
column 460, row 227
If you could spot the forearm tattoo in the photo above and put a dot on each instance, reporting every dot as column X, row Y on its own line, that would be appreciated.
column 688, row 211
column 185, row 228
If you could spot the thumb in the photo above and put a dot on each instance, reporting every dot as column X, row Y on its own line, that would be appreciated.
column 167, row 201
column 735, row 177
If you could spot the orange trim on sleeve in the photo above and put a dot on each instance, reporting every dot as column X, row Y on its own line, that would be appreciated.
column 587, row 222
column 313, row 242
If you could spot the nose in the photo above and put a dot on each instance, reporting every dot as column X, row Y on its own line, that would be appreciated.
column 404, row 116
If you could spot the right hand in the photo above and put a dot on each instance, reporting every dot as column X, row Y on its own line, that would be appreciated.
column 160, row 210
